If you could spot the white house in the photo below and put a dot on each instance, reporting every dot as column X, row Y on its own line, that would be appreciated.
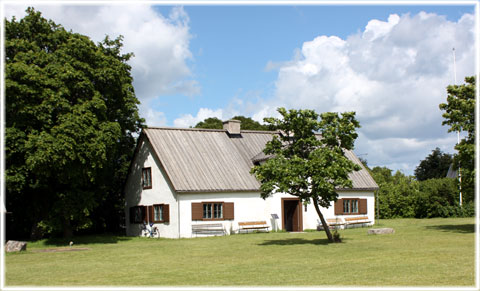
column 184, row 177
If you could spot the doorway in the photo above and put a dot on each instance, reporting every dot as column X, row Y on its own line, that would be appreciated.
column 292, row 219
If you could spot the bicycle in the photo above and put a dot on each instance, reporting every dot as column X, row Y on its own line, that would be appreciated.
column 152, row 232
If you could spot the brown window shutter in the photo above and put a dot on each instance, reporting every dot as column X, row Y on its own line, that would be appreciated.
column 145, row 213
column 229, row 210
column 150, row 213
column 166, row 213
column 339, row 207
column 362, row 206
column 197, row 211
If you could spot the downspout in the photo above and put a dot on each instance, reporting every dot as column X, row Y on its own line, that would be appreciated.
column 178, row 214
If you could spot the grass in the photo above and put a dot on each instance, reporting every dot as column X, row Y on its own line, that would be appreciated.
column 428, row 252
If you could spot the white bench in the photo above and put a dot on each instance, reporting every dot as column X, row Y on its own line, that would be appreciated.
column 332, row 223
column 208, row 229
column 356, row 220
column 252, row 225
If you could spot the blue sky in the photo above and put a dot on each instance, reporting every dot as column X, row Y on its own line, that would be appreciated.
column 232, row 45
column 390, row 64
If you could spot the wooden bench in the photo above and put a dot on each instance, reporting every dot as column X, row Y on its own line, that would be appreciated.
column 252, row 225
column 356, row 220
column 208, row 229
column 332, row 223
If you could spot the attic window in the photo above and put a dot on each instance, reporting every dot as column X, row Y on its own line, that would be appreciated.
column 147, row 178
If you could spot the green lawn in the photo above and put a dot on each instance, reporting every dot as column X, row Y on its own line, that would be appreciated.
column 428, row 252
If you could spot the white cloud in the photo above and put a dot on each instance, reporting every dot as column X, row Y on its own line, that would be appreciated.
column 187, row 120
column 393, row 74
column 153, row 117
column 160, row 43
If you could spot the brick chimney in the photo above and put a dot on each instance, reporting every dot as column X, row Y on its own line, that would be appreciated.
column 232, row 126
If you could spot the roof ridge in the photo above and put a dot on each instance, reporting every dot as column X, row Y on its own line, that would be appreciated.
column 207, row 129
column 184, row 129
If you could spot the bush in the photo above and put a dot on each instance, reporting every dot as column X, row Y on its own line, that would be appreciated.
column 401, row 196
column 437, row 198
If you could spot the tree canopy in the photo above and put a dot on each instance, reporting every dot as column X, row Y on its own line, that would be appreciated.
column 435, row 165
column 247, row 123
column 304, row 165
column 71, row 117
column 460, row 116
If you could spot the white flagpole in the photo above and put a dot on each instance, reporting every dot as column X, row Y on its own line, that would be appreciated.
column 458, row 132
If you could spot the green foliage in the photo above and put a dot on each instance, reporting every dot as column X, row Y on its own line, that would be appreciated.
column 247, row 123
column 460, row 116
column 434, row 165
column 303, row 165
column 210, row 123
column 71, row 117
column 402, row 196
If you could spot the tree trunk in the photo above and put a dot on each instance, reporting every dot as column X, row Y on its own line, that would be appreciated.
column 324, row 223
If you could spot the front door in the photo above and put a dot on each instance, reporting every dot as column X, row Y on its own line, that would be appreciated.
column 292, row 214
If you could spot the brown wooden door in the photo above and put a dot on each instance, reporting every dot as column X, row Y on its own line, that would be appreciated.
column 292, row 216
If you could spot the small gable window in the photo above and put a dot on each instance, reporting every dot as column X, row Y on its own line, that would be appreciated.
column 147, row 178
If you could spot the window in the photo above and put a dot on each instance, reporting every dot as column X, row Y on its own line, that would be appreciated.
column 212, row 211
column 159, row 213
column 147, row 178
column 346, row 206
column 351, row 206
column 137, row 214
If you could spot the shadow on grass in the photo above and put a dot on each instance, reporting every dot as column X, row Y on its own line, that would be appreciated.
column 295, row 241
column 87, row 239
column 459, row 228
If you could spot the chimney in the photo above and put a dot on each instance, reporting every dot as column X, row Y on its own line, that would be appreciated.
column 232, row 126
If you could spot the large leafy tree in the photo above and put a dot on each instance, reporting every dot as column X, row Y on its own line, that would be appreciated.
column 435, row 165
column 305, row 166
column 210, row 123
column 247, row 123
column 460, row 116
column 71, row 118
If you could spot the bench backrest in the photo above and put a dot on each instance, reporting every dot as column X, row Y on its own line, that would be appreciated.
column 210, row 225
column 334, row 220
column 252, row 223
column 356, row 218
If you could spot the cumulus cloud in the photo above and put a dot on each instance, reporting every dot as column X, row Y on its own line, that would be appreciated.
column 187, row 120
column 160, row 43
column 393, row 74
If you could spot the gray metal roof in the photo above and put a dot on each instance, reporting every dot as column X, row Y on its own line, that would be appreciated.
column 203, row 160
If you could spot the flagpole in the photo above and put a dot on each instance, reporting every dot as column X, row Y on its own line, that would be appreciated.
column 458, row 131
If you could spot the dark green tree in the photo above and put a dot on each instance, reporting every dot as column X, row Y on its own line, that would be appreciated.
column 247, row 123
column 210, row 123
column 435, row 165
column 460, row 116
column 71, row 118
column 306, row 166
